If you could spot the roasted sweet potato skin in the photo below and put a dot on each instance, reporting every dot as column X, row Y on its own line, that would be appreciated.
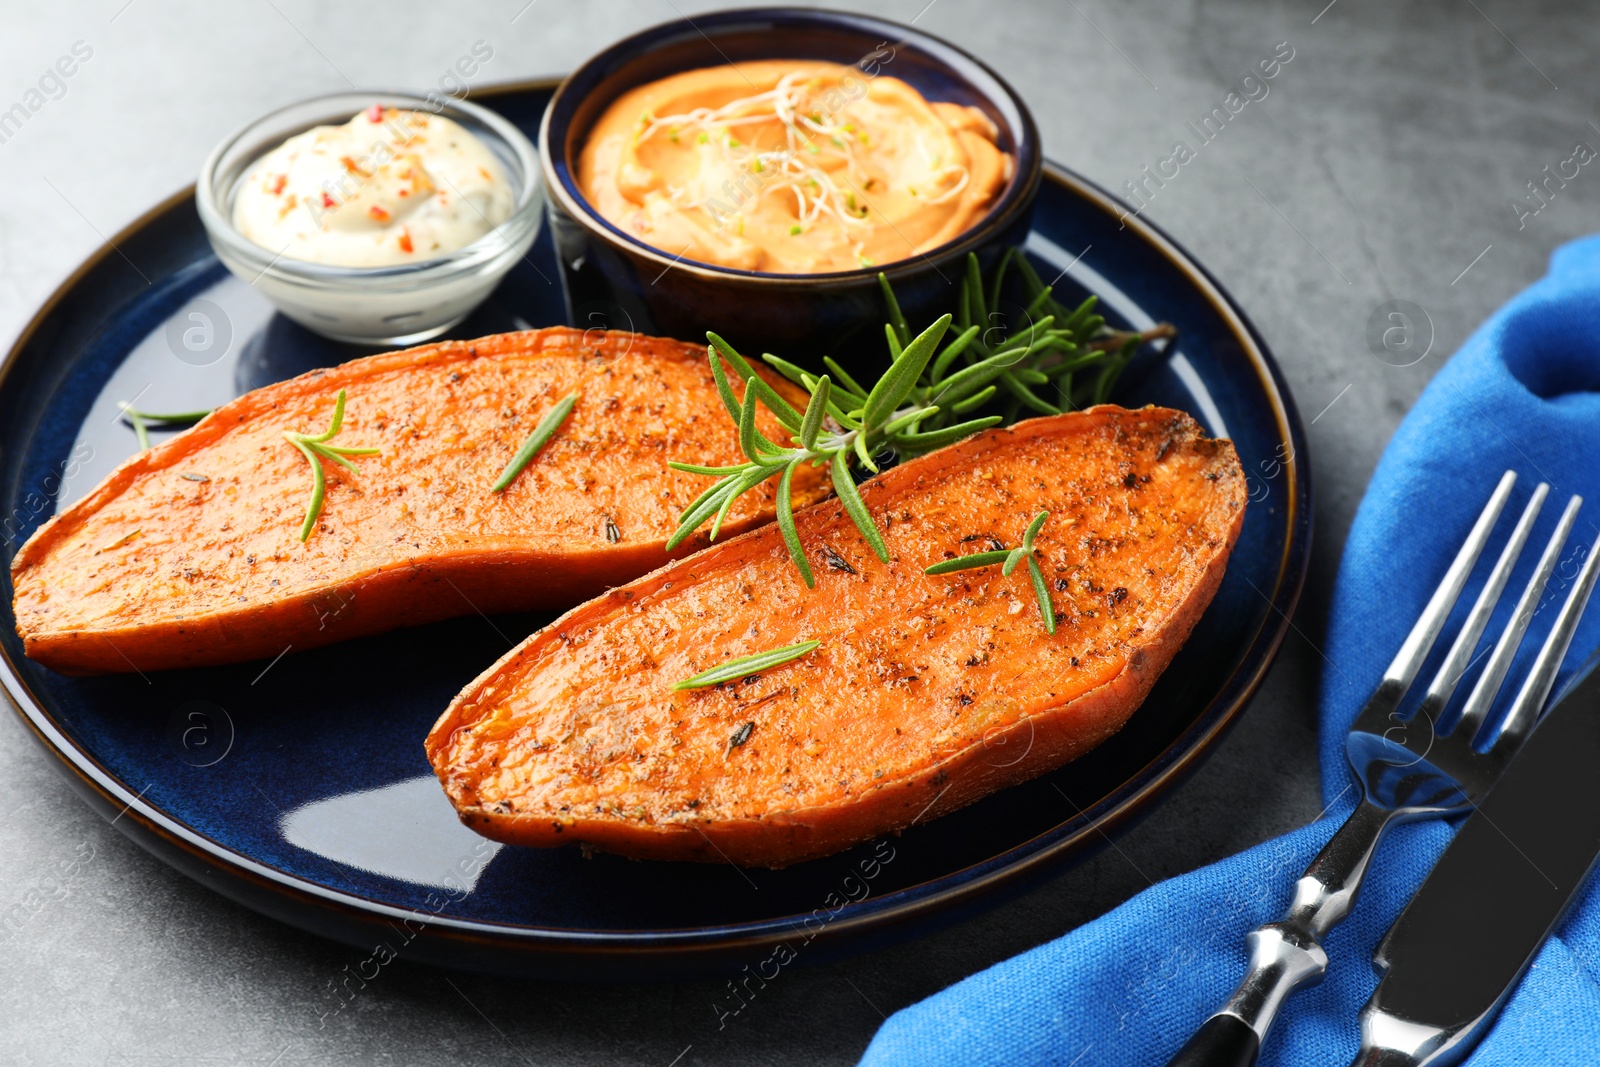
column 927, row 693
column 189, row 553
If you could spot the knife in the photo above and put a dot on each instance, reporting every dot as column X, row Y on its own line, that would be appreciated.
column 1460, row 947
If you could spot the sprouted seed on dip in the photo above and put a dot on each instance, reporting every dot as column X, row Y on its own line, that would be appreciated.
column 388, row 187
column 791, row 166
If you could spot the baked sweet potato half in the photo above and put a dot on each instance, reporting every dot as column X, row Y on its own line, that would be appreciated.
column 190, row 553
column 925, row 693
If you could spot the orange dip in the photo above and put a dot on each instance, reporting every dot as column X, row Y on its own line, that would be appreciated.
column 790, row 166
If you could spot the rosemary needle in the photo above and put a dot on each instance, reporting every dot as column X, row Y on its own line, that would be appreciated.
column 966, row 563
column 738, row 668
column 536, row 440
column 1041, row 593
column 140, row 420
column 124, row 539
column 319, row 485
column 315, row 448
column 1008, row 561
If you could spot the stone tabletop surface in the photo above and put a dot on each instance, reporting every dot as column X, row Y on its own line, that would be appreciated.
column 1383, row 165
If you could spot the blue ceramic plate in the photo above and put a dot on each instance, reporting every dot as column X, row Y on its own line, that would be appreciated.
column 299, row 786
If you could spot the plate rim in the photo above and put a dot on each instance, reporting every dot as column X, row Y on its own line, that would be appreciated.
column 161, row 834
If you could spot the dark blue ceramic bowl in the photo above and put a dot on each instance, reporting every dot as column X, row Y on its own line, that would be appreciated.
column 623, row 283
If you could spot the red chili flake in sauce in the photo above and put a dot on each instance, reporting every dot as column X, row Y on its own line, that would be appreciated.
column 375, row 113
column 405, row 242
column 277, row 186
column 328, row 201
column 353, row 167
column 378, row 213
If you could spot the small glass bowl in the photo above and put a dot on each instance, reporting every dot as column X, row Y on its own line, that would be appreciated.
column 397, row 305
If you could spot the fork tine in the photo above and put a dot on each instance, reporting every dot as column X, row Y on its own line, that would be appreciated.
column 1536, row 688
column 1466, row 642
column 1487, row 688
column 1408, row 661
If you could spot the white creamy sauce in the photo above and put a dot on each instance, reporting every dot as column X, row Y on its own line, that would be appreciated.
column 388, row 187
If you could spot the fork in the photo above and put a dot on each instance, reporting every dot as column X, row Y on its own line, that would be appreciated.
column 1408, row 766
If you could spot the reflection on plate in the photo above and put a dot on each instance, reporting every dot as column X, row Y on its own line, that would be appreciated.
column 407, row 831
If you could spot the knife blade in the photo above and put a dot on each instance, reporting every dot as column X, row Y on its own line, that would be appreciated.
column 1463, row 942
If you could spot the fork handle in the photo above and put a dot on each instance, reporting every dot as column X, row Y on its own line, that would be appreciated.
column 1222, row 1041
column 1286, row 955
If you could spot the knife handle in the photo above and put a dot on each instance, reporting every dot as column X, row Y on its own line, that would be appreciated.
column 1287, row 955
column 1222, row 1041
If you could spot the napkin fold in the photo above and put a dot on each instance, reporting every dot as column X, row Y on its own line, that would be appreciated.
column 1130, row 987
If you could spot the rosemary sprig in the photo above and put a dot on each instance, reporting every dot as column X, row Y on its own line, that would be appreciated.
column 745, row 665
column 536, row 440
column 842, row 425
column 142, row 420
column 1072, row 351
column 315, row 448
column 936, row 391
column 1008, row 561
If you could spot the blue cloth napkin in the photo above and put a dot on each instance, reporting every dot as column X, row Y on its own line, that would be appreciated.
column 1131, row 986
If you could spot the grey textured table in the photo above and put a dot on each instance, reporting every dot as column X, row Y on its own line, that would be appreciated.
column 1382, row 165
